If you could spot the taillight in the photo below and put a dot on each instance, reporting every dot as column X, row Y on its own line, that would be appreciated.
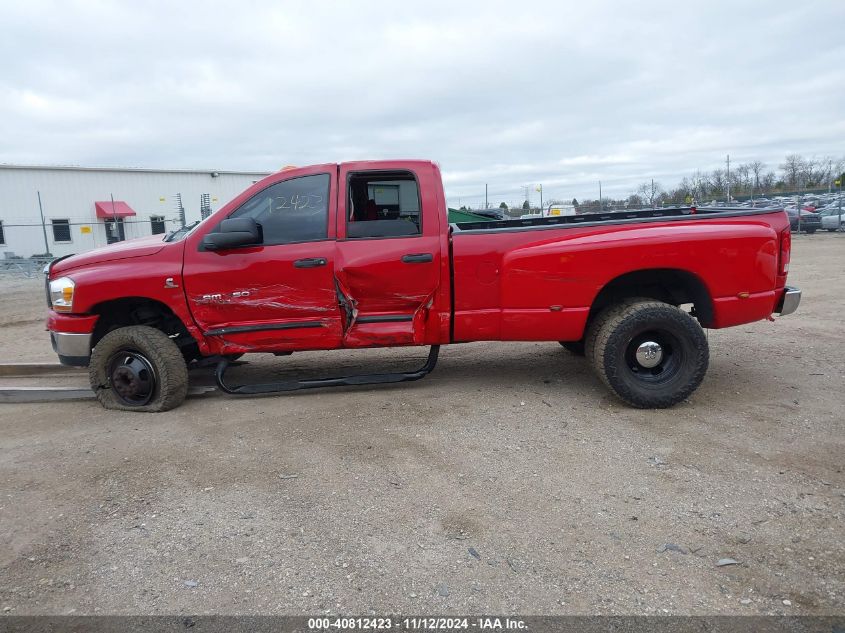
column 785, row 248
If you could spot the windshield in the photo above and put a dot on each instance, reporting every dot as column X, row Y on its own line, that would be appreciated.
column 181, row 233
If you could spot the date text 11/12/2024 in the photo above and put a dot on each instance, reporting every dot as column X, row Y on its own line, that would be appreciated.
column 417, row 623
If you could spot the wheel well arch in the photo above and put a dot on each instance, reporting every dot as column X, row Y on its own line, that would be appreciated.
column 126, row 311
column 671, row 285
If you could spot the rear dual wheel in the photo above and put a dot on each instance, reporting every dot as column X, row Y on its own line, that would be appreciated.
column 651, row 354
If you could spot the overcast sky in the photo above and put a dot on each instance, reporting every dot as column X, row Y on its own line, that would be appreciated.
column 564, row 94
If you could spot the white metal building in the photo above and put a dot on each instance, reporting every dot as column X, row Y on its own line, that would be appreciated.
column 87, row 207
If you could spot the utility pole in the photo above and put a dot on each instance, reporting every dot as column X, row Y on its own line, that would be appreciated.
column 43, row 227
column 600, row 205
column 728, row 179
column 829, row 175
column 754, row 187
column 486, row 206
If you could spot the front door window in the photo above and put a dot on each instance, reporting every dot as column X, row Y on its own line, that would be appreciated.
column 295, row 210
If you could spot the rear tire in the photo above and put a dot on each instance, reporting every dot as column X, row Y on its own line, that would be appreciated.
column 138, row 368
column 600, row 319
column 651, row 354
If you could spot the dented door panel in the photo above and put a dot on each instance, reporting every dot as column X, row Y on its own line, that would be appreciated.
column 267, row 298
column 394, row 285
column 274, row 306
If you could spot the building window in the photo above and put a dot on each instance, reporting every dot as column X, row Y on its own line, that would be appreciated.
column 61, row 230
column 2, row 234
column 157, row 224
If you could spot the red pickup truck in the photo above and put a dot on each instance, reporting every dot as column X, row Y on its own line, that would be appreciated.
column 362, row 255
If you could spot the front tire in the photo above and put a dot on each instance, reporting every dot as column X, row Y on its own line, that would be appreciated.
column 651, row 354
column 138, row 368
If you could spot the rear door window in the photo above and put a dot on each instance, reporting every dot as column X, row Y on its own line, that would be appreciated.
column 383, row 204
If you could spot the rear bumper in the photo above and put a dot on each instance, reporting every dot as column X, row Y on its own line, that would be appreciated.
column 789, row 301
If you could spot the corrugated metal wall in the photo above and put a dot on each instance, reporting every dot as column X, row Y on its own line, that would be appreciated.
column 70, row 194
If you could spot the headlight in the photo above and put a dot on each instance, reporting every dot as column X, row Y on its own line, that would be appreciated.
column 61, row 294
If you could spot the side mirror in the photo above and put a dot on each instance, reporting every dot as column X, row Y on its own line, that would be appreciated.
column 234, row 233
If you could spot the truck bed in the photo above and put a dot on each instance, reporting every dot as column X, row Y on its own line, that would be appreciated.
column 615, row 217
column 537, row 279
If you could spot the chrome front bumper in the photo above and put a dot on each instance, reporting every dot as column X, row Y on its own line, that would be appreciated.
column 73, row 349
column 789, row 301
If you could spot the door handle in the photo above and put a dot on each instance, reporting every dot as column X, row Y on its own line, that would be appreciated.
column 418, row 258
column 310, row 262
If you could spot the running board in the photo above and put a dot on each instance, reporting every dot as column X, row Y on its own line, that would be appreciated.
column 343, row 381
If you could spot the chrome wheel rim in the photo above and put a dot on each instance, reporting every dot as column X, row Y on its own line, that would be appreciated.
column 649, row 354
column 654, row 357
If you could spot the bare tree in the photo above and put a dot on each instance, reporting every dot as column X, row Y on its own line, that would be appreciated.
column 742, row 178
column 768, row 182
column 634, row 200
column 716, row 182
column 756, row 168
column 793, row 168
column 698, row 186
column 650, row 192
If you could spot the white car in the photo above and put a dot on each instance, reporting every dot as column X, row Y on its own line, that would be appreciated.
column 831, row 220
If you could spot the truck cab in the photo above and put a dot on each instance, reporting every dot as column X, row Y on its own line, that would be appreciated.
column 348, row 256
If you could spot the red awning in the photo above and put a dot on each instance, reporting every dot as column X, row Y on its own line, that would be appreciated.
column 116, row 209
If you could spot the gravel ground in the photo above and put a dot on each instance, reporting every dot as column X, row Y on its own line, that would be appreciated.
column 507, row 481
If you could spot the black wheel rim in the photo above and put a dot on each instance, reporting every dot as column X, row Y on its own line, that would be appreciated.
column 659, row 360
column 131, row 377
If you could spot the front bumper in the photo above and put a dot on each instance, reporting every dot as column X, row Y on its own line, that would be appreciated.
column 71, row 335
column 789, row 301
column 73, row 349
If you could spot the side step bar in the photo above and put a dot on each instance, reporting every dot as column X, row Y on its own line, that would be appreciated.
column 343, row 381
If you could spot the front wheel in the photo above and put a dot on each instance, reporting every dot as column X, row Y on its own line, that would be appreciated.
column 651, row 354
column 138, row 368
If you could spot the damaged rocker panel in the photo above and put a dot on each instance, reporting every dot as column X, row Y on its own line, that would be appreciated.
column 341, row 381
column 235, row 329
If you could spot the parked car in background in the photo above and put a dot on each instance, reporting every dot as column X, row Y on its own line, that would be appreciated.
column 831, row 220
column 809, row 222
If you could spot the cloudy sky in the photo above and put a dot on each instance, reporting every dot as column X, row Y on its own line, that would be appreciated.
column 559, row 93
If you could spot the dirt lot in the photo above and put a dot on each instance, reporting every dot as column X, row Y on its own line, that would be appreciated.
column 507, row 481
